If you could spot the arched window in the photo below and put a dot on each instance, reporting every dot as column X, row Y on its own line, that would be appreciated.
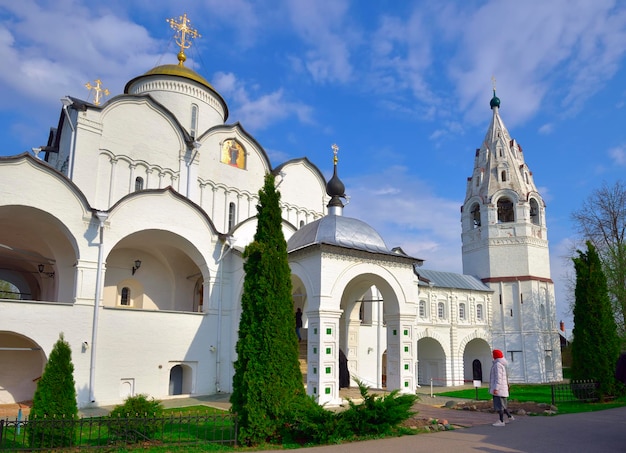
column 534, row 211
column 505, row 210
column 503, row 176
column 479, row 312
column 475, row 213
column 422, row 309
column 441, row 310
column 526, row 177
column 125, row 296
column 462, row 311
column 193, row 129
column 138, row 183
column 301, row 223
column 231, row 215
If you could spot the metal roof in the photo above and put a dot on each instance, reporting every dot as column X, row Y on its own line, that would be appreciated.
column 450, row 280
column 339, row 230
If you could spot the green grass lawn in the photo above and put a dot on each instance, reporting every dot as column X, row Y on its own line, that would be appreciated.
column 538, row 394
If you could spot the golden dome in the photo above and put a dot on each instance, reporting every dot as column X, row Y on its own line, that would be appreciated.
column 179, row 71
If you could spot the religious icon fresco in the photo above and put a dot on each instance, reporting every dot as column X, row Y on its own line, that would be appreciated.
column 233, row 154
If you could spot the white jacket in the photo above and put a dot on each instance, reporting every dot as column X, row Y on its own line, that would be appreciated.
column 498, row 379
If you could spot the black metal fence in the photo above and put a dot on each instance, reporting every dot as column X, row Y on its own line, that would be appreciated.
column 583, row 391
column 106, row 432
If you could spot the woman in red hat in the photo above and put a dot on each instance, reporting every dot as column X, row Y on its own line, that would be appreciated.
column 499, row 387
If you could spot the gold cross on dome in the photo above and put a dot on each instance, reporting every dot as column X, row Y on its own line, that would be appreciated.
column 98, row 90
column 335, row 149
column 184, row 33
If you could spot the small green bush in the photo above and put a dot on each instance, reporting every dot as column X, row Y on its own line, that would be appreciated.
column 376, row 415
column 136, row 418
column 308, row 423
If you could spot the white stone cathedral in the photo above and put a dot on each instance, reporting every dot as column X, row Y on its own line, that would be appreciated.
column 125, row 234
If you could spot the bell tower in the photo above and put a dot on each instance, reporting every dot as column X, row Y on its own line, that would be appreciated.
column 505, row 244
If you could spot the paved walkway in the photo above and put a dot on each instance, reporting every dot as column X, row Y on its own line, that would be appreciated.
column 602, row 431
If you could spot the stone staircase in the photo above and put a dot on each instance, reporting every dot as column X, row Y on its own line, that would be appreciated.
column 302, row 351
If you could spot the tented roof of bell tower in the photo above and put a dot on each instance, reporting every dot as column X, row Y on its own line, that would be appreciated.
column 499, row 163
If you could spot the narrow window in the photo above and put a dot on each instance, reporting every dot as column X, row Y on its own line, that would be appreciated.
column 462, row 311
column 526, row 177
column 193, row 130
column 441, row 310
column 125, row 297
column 505, row 210
column 534, row 211
column 231, row 216
column 138, row 183
column 479, row 312
column 503, row 175
column 422, row 309
column 301, row 223
column 475, row 212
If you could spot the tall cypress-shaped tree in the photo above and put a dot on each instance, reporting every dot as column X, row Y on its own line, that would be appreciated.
column 595, row 348
column 55, row 398
column 267, row 375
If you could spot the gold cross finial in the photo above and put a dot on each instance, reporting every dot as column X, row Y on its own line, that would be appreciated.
column 493, row 82
column 99, row 91
column 335, row 149
column 184, row 35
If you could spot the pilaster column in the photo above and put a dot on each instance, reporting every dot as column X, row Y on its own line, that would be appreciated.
column 401, row 353
column 323, row 355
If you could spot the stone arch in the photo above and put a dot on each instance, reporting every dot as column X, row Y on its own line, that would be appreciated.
column 366, row 275
column 37, row 254
column 475, row 347
column 181, row 379
column 161, row 282
column 21, row 365
column 431, row 361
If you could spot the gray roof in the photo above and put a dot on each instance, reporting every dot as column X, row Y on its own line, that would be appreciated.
column 450, row 280
column 341, row 231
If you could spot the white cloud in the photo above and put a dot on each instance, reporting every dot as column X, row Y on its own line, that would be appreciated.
column 407, row 214
column 546, row 129
column 531, row 47
column 58, row 47
column 322, row 26
column 401, row 54
column 262, row 111
column 618, row 155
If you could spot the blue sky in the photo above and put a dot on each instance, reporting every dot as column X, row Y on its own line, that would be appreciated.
column 403, row 87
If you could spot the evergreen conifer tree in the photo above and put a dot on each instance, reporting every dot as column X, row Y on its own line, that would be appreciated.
column 267, row 378
column 55, row 399
column 595, row 347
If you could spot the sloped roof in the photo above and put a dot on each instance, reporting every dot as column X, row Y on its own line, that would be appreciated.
column 450, row 280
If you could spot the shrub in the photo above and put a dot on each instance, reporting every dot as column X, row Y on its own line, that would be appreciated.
column 54, row 404
column 136, row 419
column 308, row 423
column 377, row 415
